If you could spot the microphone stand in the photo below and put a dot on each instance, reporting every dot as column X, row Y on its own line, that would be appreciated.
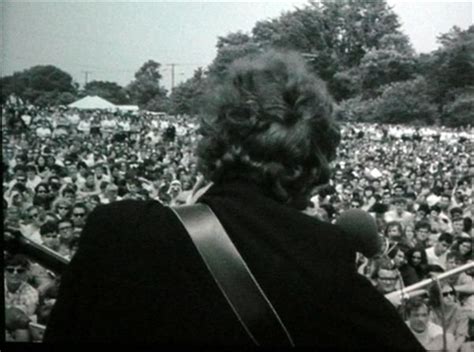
column 403, row 294
column 16, row 242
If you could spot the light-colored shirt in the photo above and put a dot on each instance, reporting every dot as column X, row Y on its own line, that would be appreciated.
column 25, row 298
column 433, row 259
column 432, row 337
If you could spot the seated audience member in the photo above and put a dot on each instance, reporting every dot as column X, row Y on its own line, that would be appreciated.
column 399, row 213
column 429, row 334
column 79, row 214
column 49, row 235
column 385, row 276
column 43, row 196
column 409, row 239
column 110, row 194
column 417, row 259
column 18, row 293
column 407, row 272
column 463, row 246
column 32, row 178
column 458, row 228
column 436, row 254
column 394, row 232
column 30, row 228
column 422, row 232
column 62, row 207
column 66, row 235
column 89, row 187
column 447, row 312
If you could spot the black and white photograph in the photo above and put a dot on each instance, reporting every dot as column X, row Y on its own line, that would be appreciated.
column 217, row 174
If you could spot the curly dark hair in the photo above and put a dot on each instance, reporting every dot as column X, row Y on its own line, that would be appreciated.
column 270, row 122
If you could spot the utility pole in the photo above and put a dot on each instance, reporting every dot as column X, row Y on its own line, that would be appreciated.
column 172, row 76
column 86, row 76
column 173, row 65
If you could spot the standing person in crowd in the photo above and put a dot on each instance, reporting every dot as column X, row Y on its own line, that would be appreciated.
column 267, row 142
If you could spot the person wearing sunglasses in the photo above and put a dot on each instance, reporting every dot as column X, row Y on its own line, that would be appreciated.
column 445, row 308
column 30, row 226
column 79, row 214
column 18, row 292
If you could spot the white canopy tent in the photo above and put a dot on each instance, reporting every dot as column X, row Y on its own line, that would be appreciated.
column 127, row 107
column 92, row 103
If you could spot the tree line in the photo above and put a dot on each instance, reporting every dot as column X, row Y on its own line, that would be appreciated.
column 357, row 47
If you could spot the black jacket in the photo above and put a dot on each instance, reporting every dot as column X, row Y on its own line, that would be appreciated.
column 137, row 277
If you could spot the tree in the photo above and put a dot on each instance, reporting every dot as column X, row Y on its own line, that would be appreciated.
column 357, row 109
column 460, row 112
column 145, row 90
column 230, row 48
column 382, row 66
column 345, row 84
column 186, row 98
column 336, row 36
column 450, row 68
column 41, row 85
column 406, row 102
column 110, row 91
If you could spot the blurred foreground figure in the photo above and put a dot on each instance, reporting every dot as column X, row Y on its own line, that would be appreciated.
column 267, row 141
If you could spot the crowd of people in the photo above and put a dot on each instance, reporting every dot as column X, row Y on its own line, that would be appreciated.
column 60, row 163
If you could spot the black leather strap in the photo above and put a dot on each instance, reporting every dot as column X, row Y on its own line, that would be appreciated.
column 229, row 270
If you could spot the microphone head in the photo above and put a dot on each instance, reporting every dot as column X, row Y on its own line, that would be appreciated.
column 362, row 228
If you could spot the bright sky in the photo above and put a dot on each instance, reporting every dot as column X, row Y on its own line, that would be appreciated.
column 110, row 40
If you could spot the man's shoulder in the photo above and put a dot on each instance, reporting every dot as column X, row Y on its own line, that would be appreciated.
column 128, row 208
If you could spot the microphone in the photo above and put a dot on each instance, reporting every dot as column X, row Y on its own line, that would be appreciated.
column 362, row 227
column 16, row 243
